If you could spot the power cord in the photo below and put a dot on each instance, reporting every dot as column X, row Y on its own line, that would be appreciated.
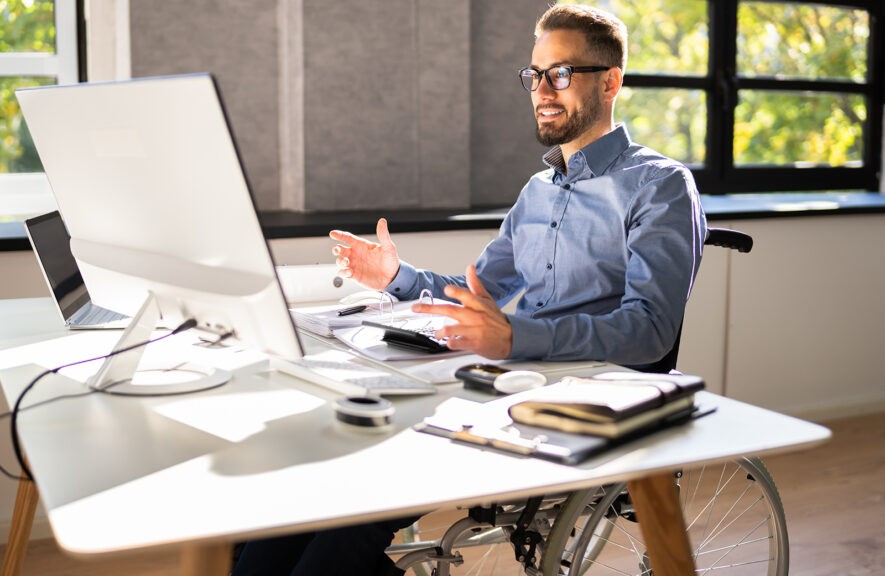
column 3, row 469
column 13, row 423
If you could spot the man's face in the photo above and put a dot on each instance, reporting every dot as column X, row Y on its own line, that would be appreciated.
column 564, row 115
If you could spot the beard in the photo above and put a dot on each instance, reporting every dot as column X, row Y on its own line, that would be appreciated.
column 575, row 124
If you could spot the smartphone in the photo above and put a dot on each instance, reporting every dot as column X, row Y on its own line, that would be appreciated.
column 480, row 377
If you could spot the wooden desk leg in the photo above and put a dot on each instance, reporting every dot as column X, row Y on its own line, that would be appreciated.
column 656, row 502
column 20, row 529
column 205, row 560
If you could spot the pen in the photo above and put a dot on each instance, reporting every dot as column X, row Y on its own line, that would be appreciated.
column 352, row 310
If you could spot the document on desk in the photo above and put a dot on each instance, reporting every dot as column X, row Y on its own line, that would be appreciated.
column 324, row 320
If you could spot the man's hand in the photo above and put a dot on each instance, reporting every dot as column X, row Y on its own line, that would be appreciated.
column 481, row 326
column 372, row 264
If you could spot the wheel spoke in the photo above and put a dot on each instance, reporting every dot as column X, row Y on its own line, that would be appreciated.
column 719, row 528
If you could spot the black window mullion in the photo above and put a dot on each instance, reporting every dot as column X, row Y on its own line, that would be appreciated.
column 872, row 155
column 654, row 81
column 801, row 85
column 723, row 40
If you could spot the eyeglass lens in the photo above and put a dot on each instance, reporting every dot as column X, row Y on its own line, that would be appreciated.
column 559, row 77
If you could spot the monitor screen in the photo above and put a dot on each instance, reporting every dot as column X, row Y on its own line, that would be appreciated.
column 147, row 176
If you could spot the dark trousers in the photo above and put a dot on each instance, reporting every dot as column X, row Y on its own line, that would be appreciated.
column 349, row 551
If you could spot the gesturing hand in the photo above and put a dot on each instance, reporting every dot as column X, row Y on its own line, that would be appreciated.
column 372, row 264
column 481, row 326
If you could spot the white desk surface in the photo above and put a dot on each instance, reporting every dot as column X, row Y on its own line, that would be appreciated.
column 263, row 454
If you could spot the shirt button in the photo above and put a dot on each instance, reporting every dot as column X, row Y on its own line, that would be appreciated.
column 567, row 187
column 549, row 266
column 396, row 289
column 540, row 304
column 553, row 224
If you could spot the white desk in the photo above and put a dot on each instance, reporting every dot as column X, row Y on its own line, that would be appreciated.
column 263, row 456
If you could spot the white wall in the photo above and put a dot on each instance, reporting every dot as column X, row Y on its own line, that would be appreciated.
column 805, row 316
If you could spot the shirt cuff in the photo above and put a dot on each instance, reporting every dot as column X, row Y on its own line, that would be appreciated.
column 404, row 282
column 530, row 337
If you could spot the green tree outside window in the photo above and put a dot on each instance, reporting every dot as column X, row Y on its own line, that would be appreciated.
column 25, row 27
column 778, row 41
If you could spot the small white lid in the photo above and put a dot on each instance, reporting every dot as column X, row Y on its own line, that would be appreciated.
column 518, row 381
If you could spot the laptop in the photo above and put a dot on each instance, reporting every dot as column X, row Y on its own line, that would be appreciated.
column 51, row 243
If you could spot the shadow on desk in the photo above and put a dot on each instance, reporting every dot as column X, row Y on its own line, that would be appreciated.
column 234, row 430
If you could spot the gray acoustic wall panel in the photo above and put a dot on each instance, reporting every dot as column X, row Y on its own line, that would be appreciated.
column 360, row 104
column 235, row 40
column 505, row 150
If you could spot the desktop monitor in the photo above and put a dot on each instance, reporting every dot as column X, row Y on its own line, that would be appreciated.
column 148, row 178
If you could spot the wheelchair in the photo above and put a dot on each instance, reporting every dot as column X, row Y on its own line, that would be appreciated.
column 733, row 515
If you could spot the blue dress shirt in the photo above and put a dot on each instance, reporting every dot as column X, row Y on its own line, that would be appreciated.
column 604, row 255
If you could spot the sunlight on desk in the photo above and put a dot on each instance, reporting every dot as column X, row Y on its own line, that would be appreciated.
column 235, row 417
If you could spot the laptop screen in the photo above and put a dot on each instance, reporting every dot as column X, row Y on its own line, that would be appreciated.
column 52, row 245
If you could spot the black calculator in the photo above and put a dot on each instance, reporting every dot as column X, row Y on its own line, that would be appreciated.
column 422, row 340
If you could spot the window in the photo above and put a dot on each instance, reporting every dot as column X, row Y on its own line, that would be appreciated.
column 757, row 95
column 38, row 46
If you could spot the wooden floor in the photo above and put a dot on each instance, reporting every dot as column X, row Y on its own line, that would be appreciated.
column 834, row 497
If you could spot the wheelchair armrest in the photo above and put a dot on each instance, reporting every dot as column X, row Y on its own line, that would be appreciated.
column 732, row 239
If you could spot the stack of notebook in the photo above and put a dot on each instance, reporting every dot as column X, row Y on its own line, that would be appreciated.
column 573, row 419
column 611, row 405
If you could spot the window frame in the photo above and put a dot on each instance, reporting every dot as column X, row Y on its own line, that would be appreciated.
column 719, row 175
column 23, row 190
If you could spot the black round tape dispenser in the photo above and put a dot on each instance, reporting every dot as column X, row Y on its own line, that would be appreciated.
column 365, row 413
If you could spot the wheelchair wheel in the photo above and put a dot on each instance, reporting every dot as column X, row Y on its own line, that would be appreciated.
column 733, row 515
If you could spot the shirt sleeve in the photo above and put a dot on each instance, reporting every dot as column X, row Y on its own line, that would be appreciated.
column 495, row 268
column 409, row 282
column 665, row 233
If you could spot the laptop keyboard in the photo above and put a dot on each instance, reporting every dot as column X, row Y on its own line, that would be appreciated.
column 92, row 315
column 351, row 375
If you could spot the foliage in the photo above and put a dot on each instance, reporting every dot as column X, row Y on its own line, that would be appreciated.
column 807, row 42
column 780, row 40
column 678, row 126
column 811, row 128
column 665, row 36
column 25, row 26
column 17, row 152
column 802, row 41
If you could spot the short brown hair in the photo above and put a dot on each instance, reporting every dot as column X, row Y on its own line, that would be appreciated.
column 605, row 33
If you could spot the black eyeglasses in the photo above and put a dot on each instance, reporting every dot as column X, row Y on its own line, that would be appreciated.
column 559, row 77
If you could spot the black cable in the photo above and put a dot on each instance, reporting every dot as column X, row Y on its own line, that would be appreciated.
column 13, row 424
column 3, row 469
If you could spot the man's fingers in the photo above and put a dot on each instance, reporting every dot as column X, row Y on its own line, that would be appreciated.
column 383, row 233
column 343, row 236
column 475, row 284
column 447, row 310
column 467, row 298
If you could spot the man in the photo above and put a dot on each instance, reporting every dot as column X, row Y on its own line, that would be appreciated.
column 604, row 244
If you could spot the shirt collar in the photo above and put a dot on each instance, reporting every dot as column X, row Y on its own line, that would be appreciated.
column 597, row 156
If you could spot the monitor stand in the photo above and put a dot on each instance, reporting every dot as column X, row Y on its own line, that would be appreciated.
column 120, row 374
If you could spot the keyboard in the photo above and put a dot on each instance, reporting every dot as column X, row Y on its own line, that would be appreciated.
column 351, row 375
column 92, row 315
column 419, row 338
